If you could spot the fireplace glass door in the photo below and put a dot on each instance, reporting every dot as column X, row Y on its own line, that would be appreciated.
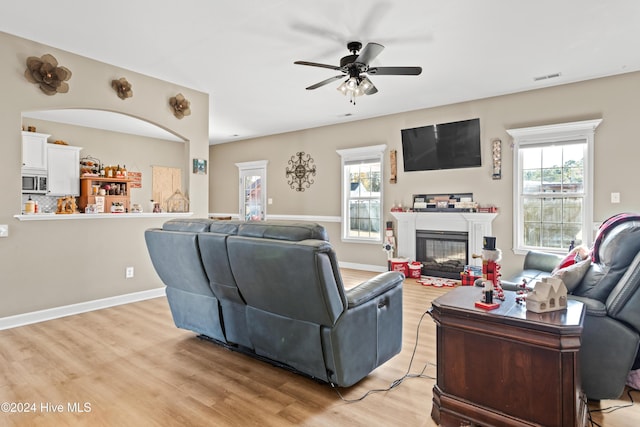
column 442, row 253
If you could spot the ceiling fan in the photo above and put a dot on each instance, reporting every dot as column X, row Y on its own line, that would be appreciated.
column 357, row 64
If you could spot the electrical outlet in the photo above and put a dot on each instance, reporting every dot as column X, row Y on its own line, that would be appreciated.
column 128, row 273
column 4, row 230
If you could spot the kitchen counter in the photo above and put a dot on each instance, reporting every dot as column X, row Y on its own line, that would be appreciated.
column 57, row 217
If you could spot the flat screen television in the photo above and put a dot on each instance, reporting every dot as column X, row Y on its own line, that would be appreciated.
column 442, row 146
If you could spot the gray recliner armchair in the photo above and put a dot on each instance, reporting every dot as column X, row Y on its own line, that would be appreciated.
column 273, row 289
column 610, row 291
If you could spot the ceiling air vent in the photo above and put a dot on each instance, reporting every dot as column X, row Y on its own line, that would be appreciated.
column 546, row 77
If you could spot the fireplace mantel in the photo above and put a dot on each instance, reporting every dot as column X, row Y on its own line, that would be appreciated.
column 476, row 224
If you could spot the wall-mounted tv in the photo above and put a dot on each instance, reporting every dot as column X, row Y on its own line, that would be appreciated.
column 442, row 146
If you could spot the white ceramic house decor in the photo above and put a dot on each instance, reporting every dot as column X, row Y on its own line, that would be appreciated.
column 548, row 294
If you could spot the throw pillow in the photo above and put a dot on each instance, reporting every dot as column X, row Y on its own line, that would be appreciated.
column 575, row 255
column 633, row 379
column 573, row 274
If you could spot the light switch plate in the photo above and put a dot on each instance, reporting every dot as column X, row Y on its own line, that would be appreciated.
column 615, row 197
column 4, row 230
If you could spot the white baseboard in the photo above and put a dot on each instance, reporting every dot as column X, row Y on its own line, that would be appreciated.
column 308, row 218
column 83, row 307
column 365, row 267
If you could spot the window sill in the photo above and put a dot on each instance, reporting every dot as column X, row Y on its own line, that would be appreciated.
column 526, row 250
column 365, row 241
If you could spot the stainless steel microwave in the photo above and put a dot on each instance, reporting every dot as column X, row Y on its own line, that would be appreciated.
column 34, row 184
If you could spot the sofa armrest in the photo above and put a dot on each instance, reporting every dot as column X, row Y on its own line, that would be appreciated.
column 508, row 285
column 366, row 335
column 543, row 261
column 592, row 307
column 373, row 287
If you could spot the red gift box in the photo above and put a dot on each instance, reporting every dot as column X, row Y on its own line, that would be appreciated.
column 468, row 279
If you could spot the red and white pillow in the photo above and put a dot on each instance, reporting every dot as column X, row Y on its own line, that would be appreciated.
column 575, row 255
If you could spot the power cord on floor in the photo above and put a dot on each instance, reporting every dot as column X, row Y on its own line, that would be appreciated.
column 400, row 380
column 610, row 409
column 407, row 375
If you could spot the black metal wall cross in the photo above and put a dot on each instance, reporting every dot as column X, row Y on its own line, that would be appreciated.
column 300, row 172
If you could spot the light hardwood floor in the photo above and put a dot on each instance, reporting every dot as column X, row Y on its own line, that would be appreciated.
column 130, row 366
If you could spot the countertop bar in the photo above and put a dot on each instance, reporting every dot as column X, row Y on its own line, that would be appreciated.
column 57, row 217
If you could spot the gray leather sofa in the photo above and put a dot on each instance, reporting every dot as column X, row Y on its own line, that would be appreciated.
column 610, row 290
column 536, row 266
column 272, row 289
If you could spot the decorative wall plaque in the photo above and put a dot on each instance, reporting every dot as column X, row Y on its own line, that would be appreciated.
column 394, row 166
column 180, row 105
column 301, row 170
column 122, row 87
column 47, row 74
column 496, row 157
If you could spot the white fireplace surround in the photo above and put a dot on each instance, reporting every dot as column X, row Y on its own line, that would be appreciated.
column 476, row 224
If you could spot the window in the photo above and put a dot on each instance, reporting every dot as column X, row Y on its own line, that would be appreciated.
column 362, row 172
column 553, row 186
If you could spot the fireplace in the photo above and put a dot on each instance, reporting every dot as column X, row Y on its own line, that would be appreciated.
column 442, row 253
column 475, row 224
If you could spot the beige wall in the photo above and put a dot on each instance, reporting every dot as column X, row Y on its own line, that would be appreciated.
column 47, row 264
column 614, row 99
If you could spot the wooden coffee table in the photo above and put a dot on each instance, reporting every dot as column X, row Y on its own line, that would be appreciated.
column 508, row 366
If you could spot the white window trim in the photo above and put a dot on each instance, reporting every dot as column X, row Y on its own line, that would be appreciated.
column 258, row 164
column 354, row 154
column 563, row 132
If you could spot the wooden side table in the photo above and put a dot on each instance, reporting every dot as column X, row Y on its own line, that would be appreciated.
column 508, row 366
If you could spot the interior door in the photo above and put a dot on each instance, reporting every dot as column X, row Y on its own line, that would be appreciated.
column 253, row 194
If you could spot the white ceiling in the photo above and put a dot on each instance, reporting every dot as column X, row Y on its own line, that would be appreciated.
column 241, row 52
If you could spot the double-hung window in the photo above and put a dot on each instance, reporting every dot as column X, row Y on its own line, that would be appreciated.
column 362, row 172
column 553, row 186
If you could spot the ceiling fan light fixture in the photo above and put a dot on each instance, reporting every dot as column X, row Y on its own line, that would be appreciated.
column 354, row 87
column 365, row 84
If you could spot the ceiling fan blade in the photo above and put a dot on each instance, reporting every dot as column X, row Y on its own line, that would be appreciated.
column 369, row 53
column 325, row 82
column 318, row 30
column 395, row 71
column 315, row 64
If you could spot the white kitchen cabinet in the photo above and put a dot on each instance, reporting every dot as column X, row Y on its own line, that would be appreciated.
column 34, row 152
column 64, row 170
